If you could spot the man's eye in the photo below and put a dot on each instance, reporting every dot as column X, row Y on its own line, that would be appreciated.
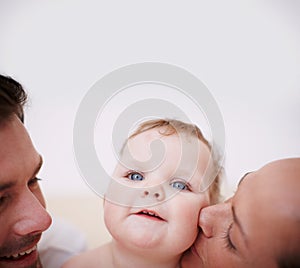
column 3, row 199
column 34, row 182
column 135, row 176
column 179, row 185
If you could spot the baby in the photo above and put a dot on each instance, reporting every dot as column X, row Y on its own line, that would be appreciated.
column 160, row 218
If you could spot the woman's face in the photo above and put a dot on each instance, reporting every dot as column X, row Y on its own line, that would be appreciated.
column 256, row 226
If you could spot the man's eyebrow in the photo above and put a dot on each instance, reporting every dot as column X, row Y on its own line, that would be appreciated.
column 244, row 177
column 238, row 223
column 6, row 186
column 38, row 167
column 11, row 184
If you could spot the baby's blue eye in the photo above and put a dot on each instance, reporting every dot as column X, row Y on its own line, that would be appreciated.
column 179, row 185
column 135, row 176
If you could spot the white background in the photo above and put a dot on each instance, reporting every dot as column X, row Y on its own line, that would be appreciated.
column 246, row 52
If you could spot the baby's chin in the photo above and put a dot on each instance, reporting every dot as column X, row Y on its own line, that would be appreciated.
column 143, row 233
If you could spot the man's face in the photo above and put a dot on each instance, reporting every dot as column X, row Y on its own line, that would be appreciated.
column 256, row 226
column 23, row 217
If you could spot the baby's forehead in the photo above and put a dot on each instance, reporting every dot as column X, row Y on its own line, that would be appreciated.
column 176, row 142
column 162, row 133
column 153, row 133
column 150, row 144
column 186, row 150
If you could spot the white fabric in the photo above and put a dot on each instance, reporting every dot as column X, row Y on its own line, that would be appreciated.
column 61, row 241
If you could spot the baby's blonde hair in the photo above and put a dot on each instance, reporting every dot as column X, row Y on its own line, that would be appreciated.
column 172, row 126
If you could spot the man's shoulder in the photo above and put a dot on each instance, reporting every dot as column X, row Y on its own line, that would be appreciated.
column 60, row 242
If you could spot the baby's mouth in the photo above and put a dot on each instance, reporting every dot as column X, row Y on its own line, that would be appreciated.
column 150, row 214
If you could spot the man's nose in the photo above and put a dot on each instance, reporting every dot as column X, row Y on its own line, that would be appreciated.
column 31, row 216
column 212, row 218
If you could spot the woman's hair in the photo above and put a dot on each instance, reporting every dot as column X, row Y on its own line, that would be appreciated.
column 171, row 126
column 12, row 99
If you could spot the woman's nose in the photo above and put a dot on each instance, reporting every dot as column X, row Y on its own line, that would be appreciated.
column 213, row 217
column 32, row 217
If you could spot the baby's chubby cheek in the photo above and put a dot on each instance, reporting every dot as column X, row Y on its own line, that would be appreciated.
column 188, row 216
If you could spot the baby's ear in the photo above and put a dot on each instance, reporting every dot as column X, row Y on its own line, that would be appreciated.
column 104, row 200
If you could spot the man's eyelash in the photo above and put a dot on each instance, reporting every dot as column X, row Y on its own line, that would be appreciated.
column 228, row 242
column 3, row 199
column 34, row 180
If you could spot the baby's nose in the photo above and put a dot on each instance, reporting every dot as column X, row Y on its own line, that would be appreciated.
column 156, row 193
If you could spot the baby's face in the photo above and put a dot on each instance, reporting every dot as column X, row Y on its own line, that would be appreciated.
column 162, row 211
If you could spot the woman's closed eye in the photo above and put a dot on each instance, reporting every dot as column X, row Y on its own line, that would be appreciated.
column 228, row 242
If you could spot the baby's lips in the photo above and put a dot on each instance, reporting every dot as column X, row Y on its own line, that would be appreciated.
column 150, row 213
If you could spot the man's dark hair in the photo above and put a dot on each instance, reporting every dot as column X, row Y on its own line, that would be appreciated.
column 12, row 99
column 289, row 261
column 290, row 258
